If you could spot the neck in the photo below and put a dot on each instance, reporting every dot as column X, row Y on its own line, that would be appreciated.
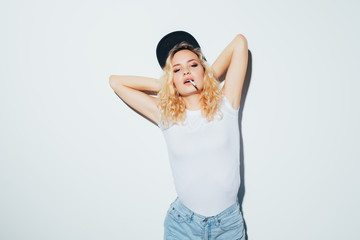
column 192, row 102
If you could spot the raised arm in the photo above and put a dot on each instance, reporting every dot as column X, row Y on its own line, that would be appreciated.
column 130, row 90
column 234, row 58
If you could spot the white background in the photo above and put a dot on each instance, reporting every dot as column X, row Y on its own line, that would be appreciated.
column 77, row 163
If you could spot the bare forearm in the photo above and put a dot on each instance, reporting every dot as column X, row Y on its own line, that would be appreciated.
column 222, row 63
column 136, row 82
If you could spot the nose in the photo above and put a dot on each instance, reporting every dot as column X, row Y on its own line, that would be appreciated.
column 186, row 71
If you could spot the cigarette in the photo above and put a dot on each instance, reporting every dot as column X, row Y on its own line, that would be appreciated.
column 192, row 82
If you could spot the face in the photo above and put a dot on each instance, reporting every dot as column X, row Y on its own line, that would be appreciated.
column 186, row 64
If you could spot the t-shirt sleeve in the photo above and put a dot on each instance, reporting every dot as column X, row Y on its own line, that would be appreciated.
column 226, row 102
column 229, row 108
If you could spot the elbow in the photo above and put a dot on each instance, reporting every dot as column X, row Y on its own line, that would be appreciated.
column 115, row 81
column 240, row 37
column 111, row 80
column 241, row 40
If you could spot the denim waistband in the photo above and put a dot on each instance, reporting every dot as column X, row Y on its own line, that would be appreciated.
column 188, row 214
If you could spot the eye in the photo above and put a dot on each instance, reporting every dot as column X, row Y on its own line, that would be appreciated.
column 176, row 70
column 194, row 65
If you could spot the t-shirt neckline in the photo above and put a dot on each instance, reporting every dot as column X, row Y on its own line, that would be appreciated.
column 193, row 112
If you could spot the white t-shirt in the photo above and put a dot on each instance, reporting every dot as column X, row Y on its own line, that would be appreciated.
column 204, row 158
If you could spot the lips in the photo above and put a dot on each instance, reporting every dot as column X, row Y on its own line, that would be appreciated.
column 187, row 80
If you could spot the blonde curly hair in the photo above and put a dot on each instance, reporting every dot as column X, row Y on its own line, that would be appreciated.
column 172, row 105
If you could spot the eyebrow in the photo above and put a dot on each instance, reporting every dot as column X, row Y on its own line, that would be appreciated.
column 187, row 61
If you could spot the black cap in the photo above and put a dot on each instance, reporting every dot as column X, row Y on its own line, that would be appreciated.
column 169, row 41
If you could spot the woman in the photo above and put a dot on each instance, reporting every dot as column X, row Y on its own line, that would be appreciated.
column 199, row 121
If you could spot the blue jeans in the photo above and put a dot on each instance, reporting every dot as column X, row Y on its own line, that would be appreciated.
column 181, row 223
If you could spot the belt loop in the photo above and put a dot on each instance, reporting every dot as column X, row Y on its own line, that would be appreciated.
column 188, row 217
column 217, row 220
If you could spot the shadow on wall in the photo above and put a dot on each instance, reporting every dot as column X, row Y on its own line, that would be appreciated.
column 245, row 89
